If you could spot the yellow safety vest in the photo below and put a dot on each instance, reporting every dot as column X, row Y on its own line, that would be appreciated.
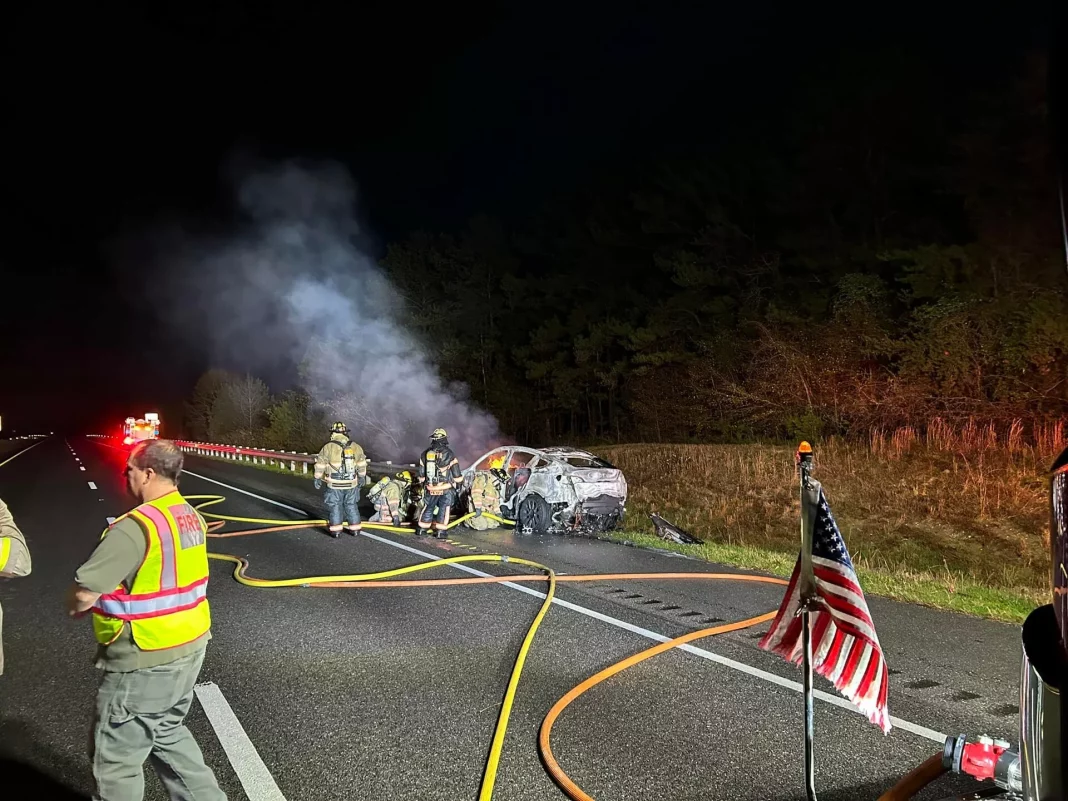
column 167, row 605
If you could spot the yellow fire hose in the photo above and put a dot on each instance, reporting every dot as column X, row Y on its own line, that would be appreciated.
column 381, row 580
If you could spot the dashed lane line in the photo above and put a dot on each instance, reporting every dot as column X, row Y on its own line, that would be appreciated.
column 92, row 485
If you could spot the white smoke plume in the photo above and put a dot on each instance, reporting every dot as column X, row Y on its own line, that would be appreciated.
column 295, row 289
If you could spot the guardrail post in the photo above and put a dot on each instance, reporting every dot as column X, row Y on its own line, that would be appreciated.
column 293, row 466
column 304, row 465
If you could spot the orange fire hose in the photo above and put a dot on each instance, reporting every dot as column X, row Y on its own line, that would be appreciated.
column 562, row 779
column 906, row 788
column 911, row 783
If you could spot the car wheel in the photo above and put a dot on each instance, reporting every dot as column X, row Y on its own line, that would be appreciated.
column 534, row 516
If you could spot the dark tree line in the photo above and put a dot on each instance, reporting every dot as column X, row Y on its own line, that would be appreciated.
column 877, row 254
column 883, row 257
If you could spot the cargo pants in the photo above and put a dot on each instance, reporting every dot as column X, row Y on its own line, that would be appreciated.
column 437, row 510
column 342, row 506
column 140, row 716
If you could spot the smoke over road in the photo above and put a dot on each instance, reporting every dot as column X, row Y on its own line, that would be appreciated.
column 293, row 289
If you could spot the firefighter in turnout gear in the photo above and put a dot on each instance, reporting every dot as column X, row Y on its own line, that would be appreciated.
column 440, row 480
column 390, row 497
column 342, row 465
column 486, row 490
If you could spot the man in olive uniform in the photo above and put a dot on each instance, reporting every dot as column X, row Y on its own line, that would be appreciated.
column 14, row 559
column 390, row 497
column 486, row 489
column 146, row 584
column 343, row 465
column 440, row 479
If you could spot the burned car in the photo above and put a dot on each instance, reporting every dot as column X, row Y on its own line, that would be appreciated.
column 558, row 490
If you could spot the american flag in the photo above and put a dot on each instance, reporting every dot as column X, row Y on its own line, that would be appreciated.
column 845, row 647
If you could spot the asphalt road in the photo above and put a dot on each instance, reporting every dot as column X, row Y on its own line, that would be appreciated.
column 10, row 448
column 394, row 693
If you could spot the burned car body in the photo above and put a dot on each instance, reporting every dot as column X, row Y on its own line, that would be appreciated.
column 559, row 490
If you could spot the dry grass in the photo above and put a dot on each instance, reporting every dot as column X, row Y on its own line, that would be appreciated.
column 945, row 507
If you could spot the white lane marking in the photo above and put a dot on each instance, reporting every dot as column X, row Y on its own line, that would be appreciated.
column 111, row 520
column 92, row 485
column 773, row 678
column 258, row 782
column 245, row 492
column 81, row 468
column 12, row 458
column 904, row 725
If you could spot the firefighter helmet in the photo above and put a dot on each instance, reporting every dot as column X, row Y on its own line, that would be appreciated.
column 339, row 428
column 439, row 433
column 500, row 474
column 404, row 477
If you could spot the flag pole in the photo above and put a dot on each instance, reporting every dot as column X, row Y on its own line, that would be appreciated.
column 804, row 465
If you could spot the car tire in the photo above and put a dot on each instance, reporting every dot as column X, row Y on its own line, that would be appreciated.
column 533, row 515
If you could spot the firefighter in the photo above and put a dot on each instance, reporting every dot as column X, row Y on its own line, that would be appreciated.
column 440, row 480
column 390, row 497
column 344, row 465
column 486, row 489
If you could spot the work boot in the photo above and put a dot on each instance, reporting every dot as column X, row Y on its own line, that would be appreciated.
column 333, row 534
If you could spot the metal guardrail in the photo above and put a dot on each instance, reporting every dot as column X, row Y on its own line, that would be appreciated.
column 285, row 460
column 240, row 453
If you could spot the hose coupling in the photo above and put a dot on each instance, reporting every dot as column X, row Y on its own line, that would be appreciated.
column 986, row 759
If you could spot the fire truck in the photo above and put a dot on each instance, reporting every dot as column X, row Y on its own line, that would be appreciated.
column 136, row 429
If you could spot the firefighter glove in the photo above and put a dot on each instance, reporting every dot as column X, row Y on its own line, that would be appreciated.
column 318, row 483
column 478, row 511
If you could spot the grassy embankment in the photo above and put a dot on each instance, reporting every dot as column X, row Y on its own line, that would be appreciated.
column 955, row 520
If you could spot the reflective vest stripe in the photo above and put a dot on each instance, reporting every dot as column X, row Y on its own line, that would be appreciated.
column 5, row 551
column 161, row 528
column 127, row 607
column 167, row 604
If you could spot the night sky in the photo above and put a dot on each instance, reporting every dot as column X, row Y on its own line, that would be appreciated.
column 115, row 120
